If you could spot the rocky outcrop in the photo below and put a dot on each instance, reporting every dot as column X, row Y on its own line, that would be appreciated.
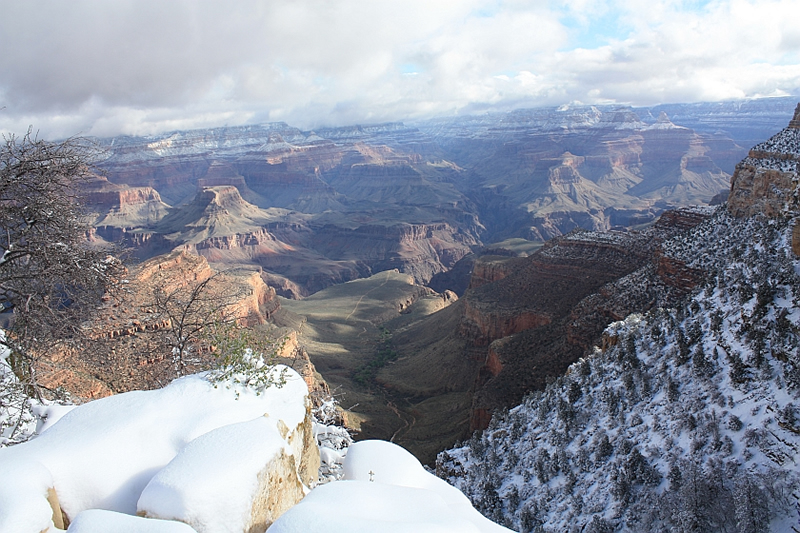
column 674, row 273
column 129, row 332
column 683, row 218
column 121, row 206
column 765, row 182
column 421, row 250
column 216, row 455
column 281, row 481
column 544, row 315
column 490, row 268
column 483, row 325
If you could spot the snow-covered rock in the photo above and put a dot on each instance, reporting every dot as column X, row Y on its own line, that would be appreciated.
column 100, row 521
column 236, row 478
column 102, row 455
column 385, row 489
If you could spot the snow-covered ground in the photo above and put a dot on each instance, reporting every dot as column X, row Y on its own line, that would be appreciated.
column 689, row 421
column 385, row 489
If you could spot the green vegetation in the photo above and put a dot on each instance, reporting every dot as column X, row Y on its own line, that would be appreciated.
column 383, row 354
column 245, row 356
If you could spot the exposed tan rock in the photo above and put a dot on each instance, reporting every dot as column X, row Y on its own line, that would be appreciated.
column 128, row 352
column 765, row 182
column 59, row 520
column 281, row 483
column 757, row 190
column 279, row 489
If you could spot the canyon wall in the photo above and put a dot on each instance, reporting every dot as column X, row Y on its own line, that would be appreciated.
column 766, row 180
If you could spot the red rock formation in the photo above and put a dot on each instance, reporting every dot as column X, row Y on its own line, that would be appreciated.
column 674, row 273
column 684, row 218
column 122, row 206
column 546, row 314
column 493, row 363
column 484, row 326
column 796, row 239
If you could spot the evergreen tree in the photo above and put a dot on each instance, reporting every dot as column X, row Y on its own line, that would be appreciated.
column 751, row 504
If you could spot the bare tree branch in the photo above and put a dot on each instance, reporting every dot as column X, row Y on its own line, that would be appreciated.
column 50, row 278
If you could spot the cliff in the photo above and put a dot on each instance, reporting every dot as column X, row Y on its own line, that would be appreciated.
column 129, row 350
column 122, row 206
column 766, row 180
column 543, row 316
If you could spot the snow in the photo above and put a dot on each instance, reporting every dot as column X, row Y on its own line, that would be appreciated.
column 23, row 497
column 709, row 389
column 218, row 496
column 98, row 520
column 49, row 414
column 101, row 455
column 364, row 507
column 17, row 421
column 385, row 489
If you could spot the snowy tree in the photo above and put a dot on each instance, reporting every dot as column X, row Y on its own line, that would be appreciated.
column 752, row 511
column 50, row 278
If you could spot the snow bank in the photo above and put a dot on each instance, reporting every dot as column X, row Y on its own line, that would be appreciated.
column 23, row 497
column 212, row 482
column 100, row 521
column 102, row 454
column 385, row 489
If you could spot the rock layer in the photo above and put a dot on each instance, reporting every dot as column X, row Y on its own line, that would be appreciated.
column 543, row 316
column 766, row 180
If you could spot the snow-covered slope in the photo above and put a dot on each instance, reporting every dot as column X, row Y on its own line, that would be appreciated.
column 689, row 420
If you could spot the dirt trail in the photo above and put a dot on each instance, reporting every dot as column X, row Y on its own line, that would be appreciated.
column 407, row 419
column 363, row 295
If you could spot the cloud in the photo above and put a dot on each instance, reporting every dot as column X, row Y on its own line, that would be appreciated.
column 144, row 66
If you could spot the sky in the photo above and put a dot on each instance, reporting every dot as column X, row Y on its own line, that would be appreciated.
column 142, row 67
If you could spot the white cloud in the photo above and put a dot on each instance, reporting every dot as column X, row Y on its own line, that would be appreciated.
column 144, row 66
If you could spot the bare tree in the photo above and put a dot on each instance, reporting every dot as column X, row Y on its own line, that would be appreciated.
column 185, row 309
column 187, row 312
column 50, row 278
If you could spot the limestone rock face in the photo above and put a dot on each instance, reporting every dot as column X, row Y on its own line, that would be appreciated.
column 279, row 489
column 766, row 180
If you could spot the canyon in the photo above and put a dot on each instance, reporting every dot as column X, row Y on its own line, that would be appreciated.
column 317, row 208
column 431, row 275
